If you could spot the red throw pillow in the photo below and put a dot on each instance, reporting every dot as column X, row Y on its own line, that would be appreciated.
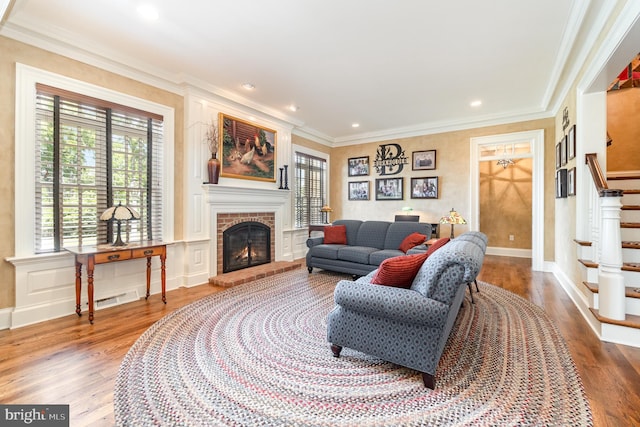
column 413, row 239
column 399, row 271
column 335, row 235
column 437, row 245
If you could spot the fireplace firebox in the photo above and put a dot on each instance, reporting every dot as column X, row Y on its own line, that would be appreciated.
column 245, row 245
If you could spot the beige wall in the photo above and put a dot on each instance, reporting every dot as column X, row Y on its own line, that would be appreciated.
column 505, row 203
column 13, row 52
column 304, row 142
column 452, row 168
column 623, row 126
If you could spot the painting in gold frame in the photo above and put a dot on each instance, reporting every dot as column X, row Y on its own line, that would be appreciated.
column 248, row 151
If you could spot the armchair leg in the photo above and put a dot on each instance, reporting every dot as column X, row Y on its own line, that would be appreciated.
column 336, row 349
column 310, row 269
column 429, row 380
column 471, row 292
column 476, row 282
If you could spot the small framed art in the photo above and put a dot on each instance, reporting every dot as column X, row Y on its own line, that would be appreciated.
column 359, row 166
column 563, row 150
column 572, row 142
column 558, row 155
column 359, row 190
column 561, row 183
column 423, row 160
column 571, row 182
column 424, row 188
column 389, row 189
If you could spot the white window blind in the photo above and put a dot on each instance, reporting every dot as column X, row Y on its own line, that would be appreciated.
column 310, row 189
column 89, row 156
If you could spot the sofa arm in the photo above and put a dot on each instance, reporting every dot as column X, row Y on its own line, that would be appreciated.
column 314, row 241
column 403, row 305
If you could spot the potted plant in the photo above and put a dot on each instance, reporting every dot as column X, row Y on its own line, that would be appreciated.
column 211, row 138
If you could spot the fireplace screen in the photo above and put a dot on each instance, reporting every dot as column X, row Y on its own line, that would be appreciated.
column 245, row 245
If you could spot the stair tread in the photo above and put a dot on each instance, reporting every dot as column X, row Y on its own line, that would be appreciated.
column 631, row 245
column 622, row 178
column 630, row 225
column 630, row 320
column 582, row 242
column 631, row 208
column 626, row 266
column 630, row 191
column 629, row 291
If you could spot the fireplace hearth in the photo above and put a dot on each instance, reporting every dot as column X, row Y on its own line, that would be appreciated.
column 245, row 245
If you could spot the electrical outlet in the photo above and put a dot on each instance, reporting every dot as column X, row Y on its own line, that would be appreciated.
column 512, row 237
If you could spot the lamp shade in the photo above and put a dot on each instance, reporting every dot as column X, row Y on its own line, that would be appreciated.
column 119, row 213
column 326, row 208
column 453, row 218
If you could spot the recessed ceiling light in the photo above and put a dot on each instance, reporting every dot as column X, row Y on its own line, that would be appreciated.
column 148, row 12
column 248, row 86
column 355, row 125
column 476, row 103
column 293, row 108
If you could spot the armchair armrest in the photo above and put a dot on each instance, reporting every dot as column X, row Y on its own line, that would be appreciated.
column 314, row 241
column 403, row 305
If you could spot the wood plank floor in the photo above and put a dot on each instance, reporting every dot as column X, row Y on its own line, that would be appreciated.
column 69, row 361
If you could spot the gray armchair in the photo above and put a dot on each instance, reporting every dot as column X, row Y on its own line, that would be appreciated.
column 409, row 327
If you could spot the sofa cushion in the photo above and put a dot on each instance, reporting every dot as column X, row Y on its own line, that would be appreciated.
column 327, row 251
column 377, row 257
column 335, row 235
column 399, row 271
column 352, row 228
column 413, row 239
column 372, row 234
column 359, row 254
column 397, row 231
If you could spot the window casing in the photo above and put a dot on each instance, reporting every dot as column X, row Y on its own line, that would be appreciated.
column 310, row 188
column 91, row 155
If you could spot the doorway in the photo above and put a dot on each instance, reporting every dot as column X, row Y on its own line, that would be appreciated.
column 512, row 146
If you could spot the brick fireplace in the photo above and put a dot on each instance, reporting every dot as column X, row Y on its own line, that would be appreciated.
column 230, row 205
column 227, row 221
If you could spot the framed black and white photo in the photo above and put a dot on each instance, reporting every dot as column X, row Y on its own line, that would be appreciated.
column 558, row 155
column 561, row 183
column 571, row 182
column 563, row 151
column 572, row 142
column 424, row 188
column 389, row 189
column 359, row 166
column 359, row 190
column 423, row 160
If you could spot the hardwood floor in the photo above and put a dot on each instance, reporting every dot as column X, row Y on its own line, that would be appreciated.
column 68, row 361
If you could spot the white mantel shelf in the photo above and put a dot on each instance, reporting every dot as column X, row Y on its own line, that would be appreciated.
column 227, row 198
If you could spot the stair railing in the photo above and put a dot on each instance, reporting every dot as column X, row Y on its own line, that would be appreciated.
column 611, row 288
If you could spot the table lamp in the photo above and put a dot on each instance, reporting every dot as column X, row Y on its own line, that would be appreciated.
column 119, row 213
column 453, row 218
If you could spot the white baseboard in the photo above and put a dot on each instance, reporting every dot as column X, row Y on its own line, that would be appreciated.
column 5, row 318
column 518, row 253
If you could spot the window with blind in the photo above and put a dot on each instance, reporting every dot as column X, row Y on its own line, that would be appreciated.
column 310, row 189
column 91, row 155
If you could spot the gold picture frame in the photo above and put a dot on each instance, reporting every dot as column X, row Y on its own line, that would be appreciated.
column 248, row 151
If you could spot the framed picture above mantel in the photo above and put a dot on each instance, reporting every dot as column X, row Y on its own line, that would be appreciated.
column 248, row 150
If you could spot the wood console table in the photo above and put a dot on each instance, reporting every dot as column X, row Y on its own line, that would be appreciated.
column 317, row 227
column 103, row 254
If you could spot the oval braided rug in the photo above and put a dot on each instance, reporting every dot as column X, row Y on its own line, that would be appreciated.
column 257, row 354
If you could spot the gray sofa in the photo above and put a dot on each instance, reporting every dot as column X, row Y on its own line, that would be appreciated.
column 409, row 327
column 368, row 244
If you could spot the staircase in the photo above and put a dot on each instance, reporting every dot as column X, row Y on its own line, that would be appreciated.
column 627, row 330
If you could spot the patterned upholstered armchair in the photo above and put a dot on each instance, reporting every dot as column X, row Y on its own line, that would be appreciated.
column 409, row 327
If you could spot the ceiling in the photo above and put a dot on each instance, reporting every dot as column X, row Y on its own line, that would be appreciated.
column 396, row 68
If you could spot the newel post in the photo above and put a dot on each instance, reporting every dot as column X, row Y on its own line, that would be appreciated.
column 611, row 293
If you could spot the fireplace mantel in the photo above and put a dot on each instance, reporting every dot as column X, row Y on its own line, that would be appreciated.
column 222, row 199
column 226, row 197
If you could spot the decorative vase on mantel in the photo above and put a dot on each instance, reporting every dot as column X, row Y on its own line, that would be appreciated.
column 213, row 167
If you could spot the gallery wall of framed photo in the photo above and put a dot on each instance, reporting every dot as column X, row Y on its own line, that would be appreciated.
column 389, row 187
column 565, row 176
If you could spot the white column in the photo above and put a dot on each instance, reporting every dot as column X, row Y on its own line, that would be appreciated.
column 611, row 292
